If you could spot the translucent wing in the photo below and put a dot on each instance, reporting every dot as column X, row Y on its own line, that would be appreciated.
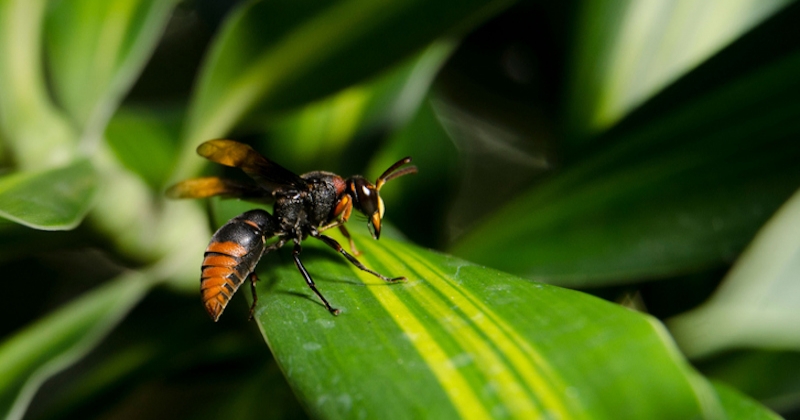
column 265, row 172
column 213, row 186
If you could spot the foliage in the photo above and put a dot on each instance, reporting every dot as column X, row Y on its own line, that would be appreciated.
column 632, row 150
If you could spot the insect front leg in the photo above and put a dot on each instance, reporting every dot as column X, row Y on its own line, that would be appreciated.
column 330, row 225
column 346, row 234
column 309, row 280
column 342, row 211
column 335, row 245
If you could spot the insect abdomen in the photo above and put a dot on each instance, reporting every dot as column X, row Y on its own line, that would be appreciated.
column 231, row 256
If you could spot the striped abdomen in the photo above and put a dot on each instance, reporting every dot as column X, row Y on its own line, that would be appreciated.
column 231, row 256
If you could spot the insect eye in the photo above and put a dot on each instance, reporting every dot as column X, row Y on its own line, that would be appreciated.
column 368, row 199
column 365, row 196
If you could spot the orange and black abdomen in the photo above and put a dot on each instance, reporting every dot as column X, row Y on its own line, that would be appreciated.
column 231, row 256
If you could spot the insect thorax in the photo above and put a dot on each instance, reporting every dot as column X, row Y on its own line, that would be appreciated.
column 302, row 212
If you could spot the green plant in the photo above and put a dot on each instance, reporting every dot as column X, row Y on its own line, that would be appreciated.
column 628, row 149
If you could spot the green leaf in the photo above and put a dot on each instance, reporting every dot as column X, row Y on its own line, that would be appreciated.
column 462, row 341
column 772, row 377
column 137, row 359
column 427, row 192
column 144, row 227
column 668, row 196
column 58, row 340
column 756, row 305
column 55, row 199
column 37, row 134
column 144, row 141
column 326, row 132
column 97, row 50
column 630, row 50
column 277, row 55
column 739, row 406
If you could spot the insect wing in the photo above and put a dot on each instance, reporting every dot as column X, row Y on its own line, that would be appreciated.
column 213, row 186
column 265, row 172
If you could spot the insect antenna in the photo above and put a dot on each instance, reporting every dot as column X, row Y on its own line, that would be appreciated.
column 394, row 172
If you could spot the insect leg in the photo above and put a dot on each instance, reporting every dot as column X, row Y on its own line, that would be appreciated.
column 335, row 245
column 331, row 225
column 346, row 234
column 307, row 277
column 253, row 280
column 276, row 245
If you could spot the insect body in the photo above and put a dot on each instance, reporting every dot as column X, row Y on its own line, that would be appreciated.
column 232, row 256
column 305, row 205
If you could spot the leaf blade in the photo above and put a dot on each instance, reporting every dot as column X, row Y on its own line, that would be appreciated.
column 633, row 50
column 96, row 51
column 324, row 131
column 58, row 340
column 39, row 135
column 466, row 341
column 55, row 199
column 754, row 306
column 675, row 194
column 739, row 406
column 300, row 54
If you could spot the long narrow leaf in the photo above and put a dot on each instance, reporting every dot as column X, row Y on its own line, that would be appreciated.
column 277, row 55
column 38, row 134
column 96, row 51
column 630, row 50
column 322, row 133
column 756, row 306
column 678, row 193
column 462, row 341
column 51, row 344
column 739, row 406
column 770, row 376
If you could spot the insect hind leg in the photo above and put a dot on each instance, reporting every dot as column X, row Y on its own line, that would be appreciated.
column 253, row 280
column 335, row 245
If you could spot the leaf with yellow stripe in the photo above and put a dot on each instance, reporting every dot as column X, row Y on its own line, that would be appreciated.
column 459, row 340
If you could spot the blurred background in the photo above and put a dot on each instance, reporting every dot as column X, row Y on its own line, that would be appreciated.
column 636, row 151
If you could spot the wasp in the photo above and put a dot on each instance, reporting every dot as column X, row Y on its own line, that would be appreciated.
column 304, row 205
